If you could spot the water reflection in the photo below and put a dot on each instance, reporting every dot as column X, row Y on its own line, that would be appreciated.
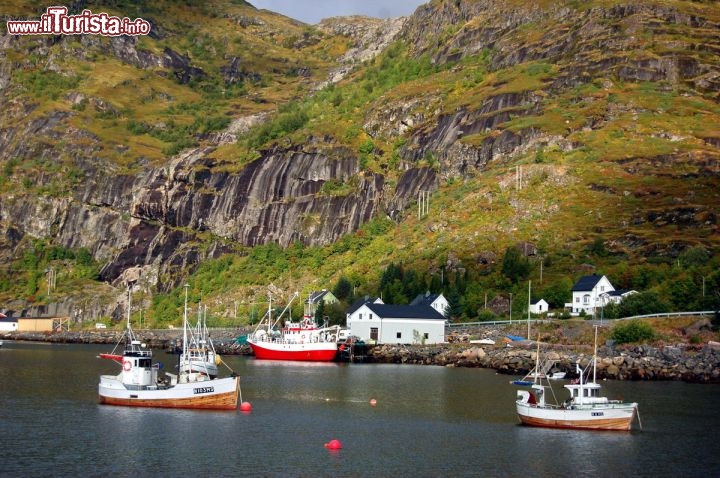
column 428, row 421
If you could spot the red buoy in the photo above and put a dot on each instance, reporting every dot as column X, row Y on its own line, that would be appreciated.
column 333, row 445
column 373, row 402
column 245, row 407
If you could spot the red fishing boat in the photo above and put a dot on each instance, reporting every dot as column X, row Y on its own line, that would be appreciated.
column 295, row 340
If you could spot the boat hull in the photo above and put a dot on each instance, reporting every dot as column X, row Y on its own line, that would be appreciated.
column 617, row 417
column 218, row 394
column 309, row 352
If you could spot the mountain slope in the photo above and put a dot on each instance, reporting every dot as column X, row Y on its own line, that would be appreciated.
column 562, row 124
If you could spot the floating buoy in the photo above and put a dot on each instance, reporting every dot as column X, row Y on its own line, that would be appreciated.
column 373, row 402
column 245, row 407
column 333, row 445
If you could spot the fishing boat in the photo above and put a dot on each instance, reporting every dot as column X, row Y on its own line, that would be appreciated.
column 296, row 340
column 139, row 384
column 201, row 356
column 586, row 408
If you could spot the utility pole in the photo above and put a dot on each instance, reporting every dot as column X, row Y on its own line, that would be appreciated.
column 423, row 203
column 511, row 307
column 528, row 319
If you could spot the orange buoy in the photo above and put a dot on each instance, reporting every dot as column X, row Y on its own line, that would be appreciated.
column 373, row 402
column 333, row 445
column 245, row 407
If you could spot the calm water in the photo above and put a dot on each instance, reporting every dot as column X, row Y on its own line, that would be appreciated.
column 429, row 421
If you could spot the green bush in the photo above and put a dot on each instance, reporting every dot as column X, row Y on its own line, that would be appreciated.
column 633, row 331
column 487, row 315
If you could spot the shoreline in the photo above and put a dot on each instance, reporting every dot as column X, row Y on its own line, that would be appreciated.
column 680, row 362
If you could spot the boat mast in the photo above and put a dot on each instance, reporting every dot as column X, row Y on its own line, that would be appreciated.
column 537, row 362
column 185, row 332
column 595, row 356
column 129, row 307
column 529, row 282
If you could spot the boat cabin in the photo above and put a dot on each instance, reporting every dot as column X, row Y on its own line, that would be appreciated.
column 585, row 393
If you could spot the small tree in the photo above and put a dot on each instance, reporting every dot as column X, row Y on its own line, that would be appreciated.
column 514, row 266
column 343, row 289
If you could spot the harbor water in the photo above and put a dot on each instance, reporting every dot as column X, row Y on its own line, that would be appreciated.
column 426, row 421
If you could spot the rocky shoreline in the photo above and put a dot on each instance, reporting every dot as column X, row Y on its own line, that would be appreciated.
column 695, row 364
column 688, row 363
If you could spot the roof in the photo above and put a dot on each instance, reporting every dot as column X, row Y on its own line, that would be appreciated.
column 317, row 296
column 405, row 311
column 425, row 299
column 537, row 301
column 587, row 283
column 362, row 301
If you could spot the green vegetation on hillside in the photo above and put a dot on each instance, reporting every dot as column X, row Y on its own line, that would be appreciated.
column 582, row 154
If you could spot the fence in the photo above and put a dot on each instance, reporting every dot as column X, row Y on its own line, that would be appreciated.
column 646, row 316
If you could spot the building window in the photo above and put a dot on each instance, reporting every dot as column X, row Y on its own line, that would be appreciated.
column 586, row 299
column 398, row 335
column 360, row 317
column 373, row 333
column 577, row 299
column 426, row 335
column 370, row 316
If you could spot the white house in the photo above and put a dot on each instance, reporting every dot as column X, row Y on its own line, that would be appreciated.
column 314, row 300
column 8, row 324
column 396, row 324
column 589, row 294
column 436, row 301
column 539, row 307
column 617, row 296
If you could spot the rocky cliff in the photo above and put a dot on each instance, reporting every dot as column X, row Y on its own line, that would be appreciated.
column 93, row 160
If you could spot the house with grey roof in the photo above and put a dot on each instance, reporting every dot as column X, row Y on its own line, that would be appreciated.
column 436, row 301
column 314, row 300
column 382, row 323
column 8, row 324
column 539, row 306
column 589, row 294
column 617, row 296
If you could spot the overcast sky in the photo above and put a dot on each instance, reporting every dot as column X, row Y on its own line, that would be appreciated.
column 312, row 11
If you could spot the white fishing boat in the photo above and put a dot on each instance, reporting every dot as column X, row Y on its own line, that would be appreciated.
column 139, row 385
column 296, row 340
column 586, row 408
column 200, row 356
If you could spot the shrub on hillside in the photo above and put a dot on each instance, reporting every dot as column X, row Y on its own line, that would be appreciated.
column 633, row 331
